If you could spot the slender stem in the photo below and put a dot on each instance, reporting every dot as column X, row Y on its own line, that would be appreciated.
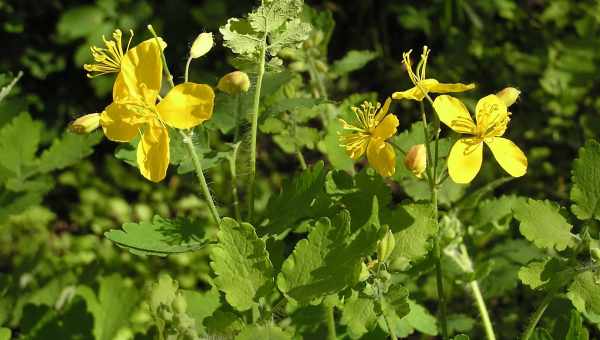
column 238, row 113
column 301, row 159
column 321, row 90
column 331, row 335
column 254, row 128
column 390, row 328
column 187, row 69
column 187, row 140
column 397, row 147
column 164, row 59
column 234, row 190
column 427, row 148
column 537, row 315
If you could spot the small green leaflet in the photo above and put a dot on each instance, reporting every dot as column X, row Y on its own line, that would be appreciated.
column 159, row 237
column 543, row 224
column 531, row 274
column 274, row 13
column 241, row 263
column 352, row 61
column 19, row 141
column 584, row 293
column 201, row 305
column 585, row 193
column 418, row 318
column 329, row 260
column 68, row 150
column 358, row 315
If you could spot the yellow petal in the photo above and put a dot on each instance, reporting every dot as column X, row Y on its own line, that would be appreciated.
column 465, row 159
column 387, row 127
column 508, row 155
column 415, row 93
column 438, row 87
column 382, row 157
column 119, row 123
column 187, row 105
column 491, row 113
column 140, row 68
column 454, row 114
column 153, row 152
column 355, row 143
column 383, row 110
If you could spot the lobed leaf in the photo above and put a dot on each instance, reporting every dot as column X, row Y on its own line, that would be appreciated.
column 584, row 293
column 585, row 193
column 543, row 224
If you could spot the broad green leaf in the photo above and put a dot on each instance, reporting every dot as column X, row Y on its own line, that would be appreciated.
column 201, row 305
column 419, row 319
column 274, row 13
column 329, row 260
column 413, row 225
column 531, row 274
column 19, row 141
column 266, row 332
column 352, row 61
column 336, row 154
column 239, row 36
column 395, row 304
column 159, row 237
column 585, row 193
column 5, row 333
column 223, row 323
column 68, row 150
column 241, row 263
column 460, row 323
column 292, row 33
column 295, row 200
column 112, row 306
column 78, row 22
column 543, row 224
column 358, row 315
column 584, row 293
column 42, row 322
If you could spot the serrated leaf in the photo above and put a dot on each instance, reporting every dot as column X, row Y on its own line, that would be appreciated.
column 68, row 150
column 266, row 332
column 418, row 318
column 162, row 293
column 159, row 237
column 329, row 260
column 395, row 303
column 358, row 315
column 352, row 61
column 292, row 33
column 19, row 141
column 413, row 225
column 531, row 274
column 274, row 13
column 239, row 36
column 584, row 293
column 112, row 307
column 241, row 263
column 585, row 193
column 542, row 224
column 201, row 305
column 295, row 200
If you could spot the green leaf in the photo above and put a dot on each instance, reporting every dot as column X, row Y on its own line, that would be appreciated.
column 461, row 337
column 585, row 193
column 19, row 141
column 358, row 315
column 329, row 260
column 224, row 323
column 274, row 13
column 543, row 224
column 352, row 61
column 418, row 318
column 584, row 293
column 5, row 333
column 159, row 237
column 395, row 303
column 266, row 332
column 239, row 36
column 291, row 104
column 42, row 322
column 79, row 22
column 68, row 150
column 295, row 200
column 112, row 307
column 531, row 274
column 336, row 154
column 162, row 293
column 292, row 33
column 576, row 329
column 201, row 305
column 241, row 263
column 413, row 225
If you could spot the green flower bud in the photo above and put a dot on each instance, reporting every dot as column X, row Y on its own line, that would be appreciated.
column 321, row 66
column 85, row 124
column 234, row 83
column 509, row 95
column 416, row 160
column 298, row 66
column 386, row 246
column 179, row 304
column 203, row 43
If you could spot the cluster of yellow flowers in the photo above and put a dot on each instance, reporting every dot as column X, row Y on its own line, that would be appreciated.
column 138, row 108
column 375, row 126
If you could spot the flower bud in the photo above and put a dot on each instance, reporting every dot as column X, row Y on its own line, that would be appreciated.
column 416, row 160
column 201, row 46
column 85, row 124
column 321, row 66
column 385, row 246
column 509, row 95
column 234, row 83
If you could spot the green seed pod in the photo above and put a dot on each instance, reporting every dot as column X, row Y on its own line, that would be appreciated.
column 179, row 304
column 386, row 246
column 234, row 83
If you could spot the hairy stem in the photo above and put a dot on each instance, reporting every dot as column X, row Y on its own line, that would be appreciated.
column 254, row 129
column 234, row 190
column 187, row 140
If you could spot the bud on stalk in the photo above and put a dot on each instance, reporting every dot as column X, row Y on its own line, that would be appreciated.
column 234, row 83
column 201, row 46
column 416, row 160
column 85, row 124
column 385, row 247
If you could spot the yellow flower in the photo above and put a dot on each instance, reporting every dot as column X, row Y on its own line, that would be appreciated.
column 374, row 127
column 492, row 117
column 429, row 85
column 135, row 109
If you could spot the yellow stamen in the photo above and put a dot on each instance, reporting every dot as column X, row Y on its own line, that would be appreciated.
column 108, row 60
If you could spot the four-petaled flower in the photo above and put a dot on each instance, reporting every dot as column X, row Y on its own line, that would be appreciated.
column 135, row 109
column 422, row 83
column 373, row 128
column 492, row 117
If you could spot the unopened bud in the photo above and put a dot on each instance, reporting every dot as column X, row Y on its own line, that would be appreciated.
column 416, row 160
column 297, row 66
column 321, row 66
column 234, row 82
column 385, row 247
column 202, row 44
column 85, row 124
column 509, row 95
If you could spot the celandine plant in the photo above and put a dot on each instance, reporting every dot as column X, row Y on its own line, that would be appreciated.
column 333, row 254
